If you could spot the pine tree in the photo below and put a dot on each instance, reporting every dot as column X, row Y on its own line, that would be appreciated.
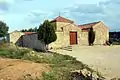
column 91, row 36
column 46, row 33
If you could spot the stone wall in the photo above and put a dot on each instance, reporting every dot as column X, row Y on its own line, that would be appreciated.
column 63, row 32
column 62, row 40
column 84, row 38
column 15, row 36
column 31, row 41
column 101, row 34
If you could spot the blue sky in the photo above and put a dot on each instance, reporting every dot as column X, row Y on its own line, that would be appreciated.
column 24, row 14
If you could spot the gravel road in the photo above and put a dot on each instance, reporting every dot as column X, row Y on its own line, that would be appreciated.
column 105, row 59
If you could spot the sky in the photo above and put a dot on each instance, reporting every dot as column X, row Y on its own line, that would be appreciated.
column 25, row 14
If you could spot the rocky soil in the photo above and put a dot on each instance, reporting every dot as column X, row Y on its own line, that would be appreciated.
column 13, row 69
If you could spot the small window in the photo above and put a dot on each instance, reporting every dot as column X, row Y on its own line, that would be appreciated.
column 62, row 28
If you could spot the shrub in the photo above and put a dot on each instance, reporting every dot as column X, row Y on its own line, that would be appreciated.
column 49, row 76
column 91, row 36
column 11, row 53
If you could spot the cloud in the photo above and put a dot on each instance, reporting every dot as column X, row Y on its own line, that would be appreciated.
column 37, row 13
column 38, row 16
column 104, row 11
column 5, row 5
column 88, row 8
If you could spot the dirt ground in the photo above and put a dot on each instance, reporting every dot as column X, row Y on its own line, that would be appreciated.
column 17, row 69
column 105, row 59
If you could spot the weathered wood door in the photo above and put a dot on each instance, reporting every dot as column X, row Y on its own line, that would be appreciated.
column 73, row 38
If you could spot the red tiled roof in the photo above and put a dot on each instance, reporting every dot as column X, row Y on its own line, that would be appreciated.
column 27, row 33
column 62, row 19
column 86, row 27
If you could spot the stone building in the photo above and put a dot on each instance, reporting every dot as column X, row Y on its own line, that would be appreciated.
column 26, row 39
column 68, row 33
column 13, row 37
column 101, row 32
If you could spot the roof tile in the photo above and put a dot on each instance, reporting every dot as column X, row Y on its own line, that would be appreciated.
column 62, row 19
column 27, row 33
column 86, row 27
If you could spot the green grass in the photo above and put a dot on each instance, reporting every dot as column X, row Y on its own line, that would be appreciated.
column 61, row 65
column 49, row 76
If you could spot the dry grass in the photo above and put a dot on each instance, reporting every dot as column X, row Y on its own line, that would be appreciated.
column 61, row 65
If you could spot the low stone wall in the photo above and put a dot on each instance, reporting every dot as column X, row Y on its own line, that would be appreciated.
column 31, row 41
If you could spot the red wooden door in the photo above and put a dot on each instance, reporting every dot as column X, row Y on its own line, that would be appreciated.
column 73, row 38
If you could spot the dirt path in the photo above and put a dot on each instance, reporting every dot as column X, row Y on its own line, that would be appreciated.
column 105, row 59
column 16, row 69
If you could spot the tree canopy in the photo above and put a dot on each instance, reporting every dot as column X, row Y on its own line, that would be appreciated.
column 46, row 32
column 29, row 30
column 3, row 29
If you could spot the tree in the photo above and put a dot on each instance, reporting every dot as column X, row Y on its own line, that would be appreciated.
column 3, row 29
column 46, row 33
column 29, row 30
column 91, row 36
column 35, row 29
column 23, row 30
